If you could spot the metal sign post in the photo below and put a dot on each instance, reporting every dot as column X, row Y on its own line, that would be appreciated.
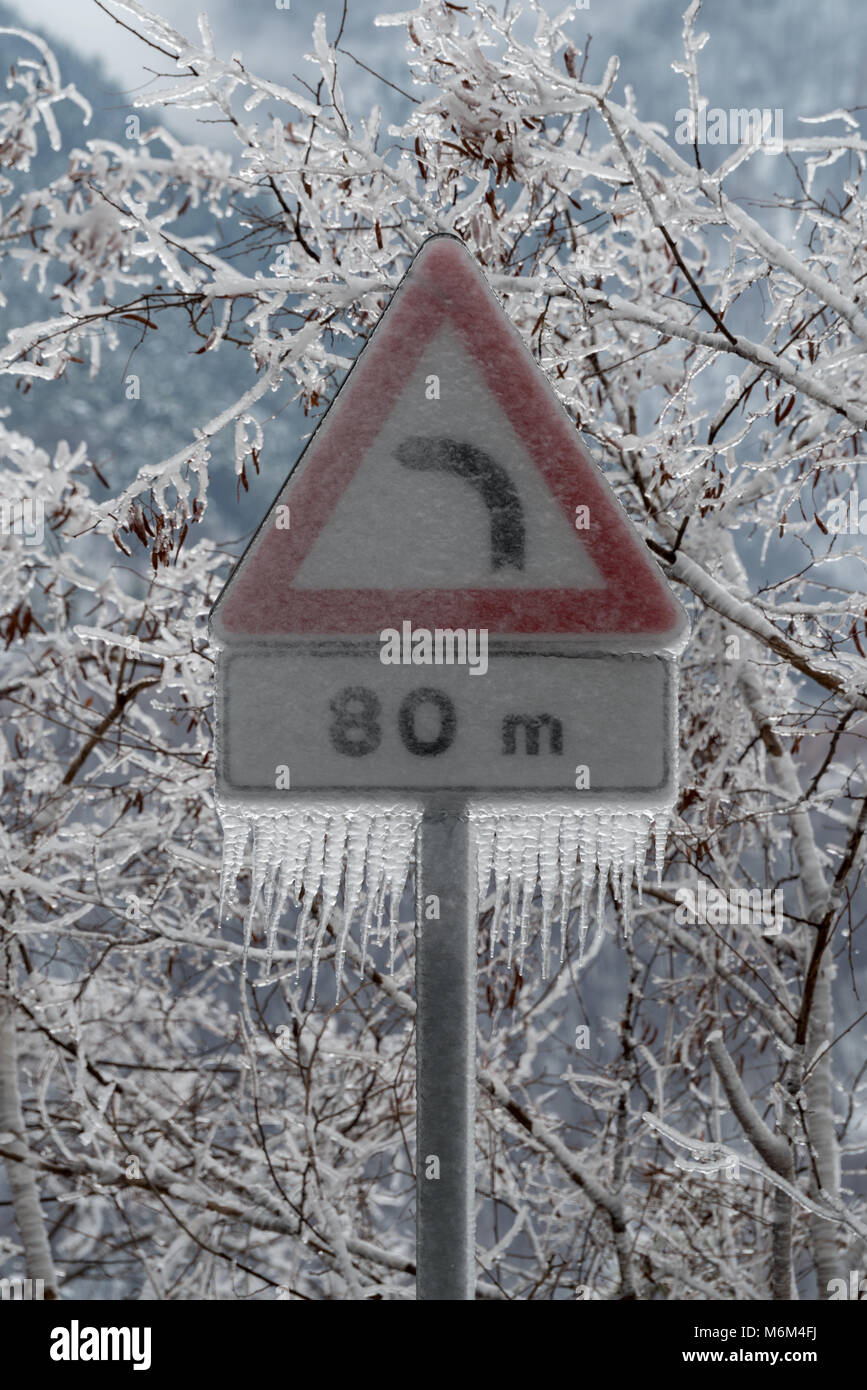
column 445, row 980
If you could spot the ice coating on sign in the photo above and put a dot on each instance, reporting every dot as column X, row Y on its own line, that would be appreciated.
column 445, row 597
column 447, row 485
column 551, row 847
column 366, row 853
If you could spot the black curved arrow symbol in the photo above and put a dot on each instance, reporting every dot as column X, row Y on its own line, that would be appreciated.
column 492, row 481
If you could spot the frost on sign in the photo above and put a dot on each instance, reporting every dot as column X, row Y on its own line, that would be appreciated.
column 445, row 598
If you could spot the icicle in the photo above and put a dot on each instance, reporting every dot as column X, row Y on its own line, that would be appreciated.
column 589, row 835
column 618, row 830
column 312, row 875
column 398, row 852
column 661, row 819
column 642, row 835
column 266, row 860
column 356, row 856
column 262, row 875
column 501, row 875
column 274, row 889
column 529, row 875
column 375, row 874
column 236, row 833
column 294, row 849
column 382, row 888
column 549, row 874
column 569, row 841
column 485, row 833
column 626, row 855
column 513, row 836
column 332, row 873
column 603, row 862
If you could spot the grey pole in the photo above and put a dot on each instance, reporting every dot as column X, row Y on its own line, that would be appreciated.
column 445, row 976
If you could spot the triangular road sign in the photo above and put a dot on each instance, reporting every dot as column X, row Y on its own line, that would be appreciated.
column 446, row 486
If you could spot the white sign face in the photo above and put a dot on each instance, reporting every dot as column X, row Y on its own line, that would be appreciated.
column 351, row 552
column 332, row 718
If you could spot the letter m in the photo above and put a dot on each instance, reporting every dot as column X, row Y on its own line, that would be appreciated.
column 747, row 903
column 115, row 1343
column 532, row 725
column 746, row 125
column 17, row 1289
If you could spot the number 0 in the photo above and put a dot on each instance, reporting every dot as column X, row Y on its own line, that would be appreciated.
column 426, row 748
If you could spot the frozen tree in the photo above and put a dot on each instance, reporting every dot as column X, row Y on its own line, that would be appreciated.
column 679, row 1113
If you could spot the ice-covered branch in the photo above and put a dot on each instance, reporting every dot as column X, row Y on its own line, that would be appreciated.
column 772, row 1148
column 19, row 1175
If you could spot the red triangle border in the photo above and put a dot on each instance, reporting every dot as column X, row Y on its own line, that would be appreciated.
column 444, row 285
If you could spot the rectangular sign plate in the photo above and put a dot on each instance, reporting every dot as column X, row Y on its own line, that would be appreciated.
column 330, row 717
